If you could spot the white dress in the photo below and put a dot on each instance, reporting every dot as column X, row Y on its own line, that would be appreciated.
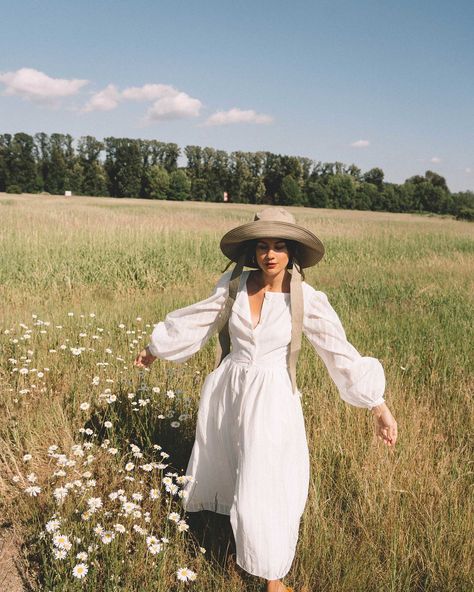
column 250, row 457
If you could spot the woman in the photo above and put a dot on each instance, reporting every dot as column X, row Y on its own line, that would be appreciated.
column 250, row 457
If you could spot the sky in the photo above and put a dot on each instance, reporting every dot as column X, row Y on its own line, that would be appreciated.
column 369, row 82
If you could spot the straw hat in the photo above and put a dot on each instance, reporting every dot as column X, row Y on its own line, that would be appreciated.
column 273, row 222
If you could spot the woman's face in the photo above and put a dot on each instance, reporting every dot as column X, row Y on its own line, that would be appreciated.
column 272, row 255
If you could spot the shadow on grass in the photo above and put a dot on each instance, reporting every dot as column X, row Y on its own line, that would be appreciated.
column 209, row 530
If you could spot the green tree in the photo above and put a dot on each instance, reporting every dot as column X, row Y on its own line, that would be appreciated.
column 158, row 182
column 290, row 192
column 375, row 177
column 123, row 163
column 180, row 185
column 316, row 193
column 89, row 151
column 341, row 191
column 22, row 171
column 5, row 160
column 365, row 197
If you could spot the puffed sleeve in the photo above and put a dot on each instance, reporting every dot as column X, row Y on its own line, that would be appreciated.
column 186, row 330
column 360, row 380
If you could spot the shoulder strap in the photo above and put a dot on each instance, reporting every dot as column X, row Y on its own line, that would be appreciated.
column 223, row 342
column 297, row 311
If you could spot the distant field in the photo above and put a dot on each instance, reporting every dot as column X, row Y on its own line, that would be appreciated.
column 82, row 280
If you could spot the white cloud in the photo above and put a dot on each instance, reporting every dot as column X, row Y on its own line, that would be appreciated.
column 238, row 116
column 468, row 170
column 149, row 92
column 176, row 106
column 436, row 159
column 360, row 144
column 37, row 86
column 104, row 100
column 169, row 102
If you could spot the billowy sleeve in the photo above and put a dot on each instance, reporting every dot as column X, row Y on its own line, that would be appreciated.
column 186, row 330
column 360, row 380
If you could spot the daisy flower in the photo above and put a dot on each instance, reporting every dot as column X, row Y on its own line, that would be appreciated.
column 155, row 548
column 52, row 525
column 59, row 553
column 80, row 570
column 184, row 574
column 33, row 490
column 107, row 537
column 174, row 516
column 94, row 503
column 182, row 526
column 61, row 541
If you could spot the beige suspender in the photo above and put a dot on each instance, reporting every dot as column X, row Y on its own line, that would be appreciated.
column 296, row 303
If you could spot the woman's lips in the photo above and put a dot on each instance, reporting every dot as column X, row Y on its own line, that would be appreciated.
column 271, row 264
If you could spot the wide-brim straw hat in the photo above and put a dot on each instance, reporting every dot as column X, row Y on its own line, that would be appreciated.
column 273, row 222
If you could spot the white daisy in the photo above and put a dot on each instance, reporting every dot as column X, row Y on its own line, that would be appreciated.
column 155, row 548
column 94, row 503
column 107, row 537
column 61, row 541
column 60, row 494
column 80, row 570
column 182, row 526
column 33, row 490
column 59, row 553
column 52, row 525
column 174, row 516
column 184, row 574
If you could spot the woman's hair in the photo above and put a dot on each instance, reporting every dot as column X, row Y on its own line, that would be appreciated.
column 293, row 252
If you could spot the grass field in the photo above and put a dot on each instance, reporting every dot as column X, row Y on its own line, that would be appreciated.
column 82, row 280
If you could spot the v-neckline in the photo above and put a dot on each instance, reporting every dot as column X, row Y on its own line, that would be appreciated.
column 247, row 299
column 248, row 308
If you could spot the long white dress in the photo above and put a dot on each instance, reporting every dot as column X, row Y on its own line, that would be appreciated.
column 250, row 457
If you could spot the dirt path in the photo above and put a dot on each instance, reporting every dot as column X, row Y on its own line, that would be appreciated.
column 10, row 578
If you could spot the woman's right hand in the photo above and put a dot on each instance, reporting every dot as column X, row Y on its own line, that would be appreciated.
column 144, row 359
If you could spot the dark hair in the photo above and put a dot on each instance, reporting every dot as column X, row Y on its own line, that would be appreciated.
column 293, row 252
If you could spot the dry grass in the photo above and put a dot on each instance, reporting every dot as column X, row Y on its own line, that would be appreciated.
column 375, row 519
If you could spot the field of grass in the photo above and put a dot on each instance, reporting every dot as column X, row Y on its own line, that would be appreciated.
column 82, row 280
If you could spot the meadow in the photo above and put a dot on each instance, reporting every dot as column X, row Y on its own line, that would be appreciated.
column 93, row 451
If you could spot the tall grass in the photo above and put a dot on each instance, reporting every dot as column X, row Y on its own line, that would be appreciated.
column 376, row 519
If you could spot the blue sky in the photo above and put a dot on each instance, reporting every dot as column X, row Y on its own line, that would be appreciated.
column 370, row 82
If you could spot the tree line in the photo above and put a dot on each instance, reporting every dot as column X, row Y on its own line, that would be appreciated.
column 125, row 167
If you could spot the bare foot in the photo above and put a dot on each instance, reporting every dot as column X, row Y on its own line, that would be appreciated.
column 276, row 586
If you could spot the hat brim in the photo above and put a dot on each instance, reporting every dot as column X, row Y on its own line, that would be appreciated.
column 311, row 249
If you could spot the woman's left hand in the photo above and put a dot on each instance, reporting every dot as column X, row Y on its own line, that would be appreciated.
column 385, row 424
